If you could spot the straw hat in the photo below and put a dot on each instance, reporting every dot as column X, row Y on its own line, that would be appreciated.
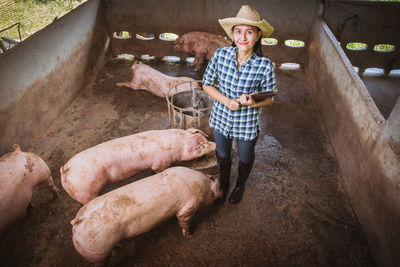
column 246, row 16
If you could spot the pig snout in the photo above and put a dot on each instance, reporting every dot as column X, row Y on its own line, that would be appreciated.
column 200, row 146
column 204, row 147
column 196, row 145
column 178, row 43
column 198, row 149
column 209, row 147
column 215, row 188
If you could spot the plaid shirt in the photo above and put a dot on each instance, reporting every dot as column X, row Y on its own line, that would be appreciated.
column 255, row 75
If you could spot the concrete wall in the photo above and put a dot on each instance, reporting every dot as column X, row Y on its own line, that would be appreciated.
column 42, row 75
column 370, row 168
column 292, row 19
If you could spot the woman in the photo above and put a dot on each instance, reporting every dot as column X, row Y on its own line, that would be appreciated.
column 233, row 73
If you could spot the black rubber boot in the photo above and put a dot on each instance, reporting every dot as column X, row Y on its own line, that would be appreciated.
column 243, row 173
column 224, row 168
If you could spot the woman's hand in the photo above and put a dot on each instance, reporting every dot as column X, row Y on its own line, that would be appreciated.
column 233, row 104
column 246, row 100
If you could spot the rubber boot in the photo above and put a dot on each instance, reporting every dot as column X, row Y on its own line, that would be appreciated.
column 243, row 173
column 224, row 168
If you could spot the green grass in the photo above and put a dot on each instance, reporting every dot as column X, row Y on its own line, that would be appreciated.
column 377, row 48
column 145, row 36
column 170, row 36
column 32, row 14
column 294, row 43
column 122, row 35
column 126, row 34
column 269, row 41
column 384, row 48
column 356, row 46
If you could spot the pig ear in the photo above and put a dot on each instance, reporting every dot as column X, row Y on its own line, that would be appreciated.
column 16, row 148
column 199, row 145
column 134, row 63
column 193, row 131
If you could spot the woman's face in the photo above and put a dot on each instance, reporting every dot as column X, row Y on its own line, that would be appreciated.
column 245, row 36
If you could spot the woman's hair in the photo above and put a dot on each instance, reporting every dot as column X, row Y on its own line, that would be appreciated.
column 257, row 46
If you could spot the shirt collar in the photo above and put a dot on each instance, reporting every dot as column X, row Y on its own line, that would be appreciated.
column 251, row 60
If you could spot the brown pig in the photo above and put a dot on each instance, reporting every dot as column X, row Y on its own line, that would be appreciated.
column 147, row 78
column 138, row 207
column 20, row 173
column 201, row 44
column 85, row 174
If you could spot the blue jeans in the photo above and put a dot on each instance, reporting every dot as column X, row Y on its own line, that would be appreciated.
column 245, row 148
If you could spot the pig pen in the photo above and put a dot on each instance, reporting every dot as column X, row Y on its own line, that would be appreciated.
column 293, row 210
column 301, row 205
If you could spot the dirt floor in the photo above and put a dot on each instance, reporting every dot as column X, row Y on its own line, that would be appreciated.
column 293, row 211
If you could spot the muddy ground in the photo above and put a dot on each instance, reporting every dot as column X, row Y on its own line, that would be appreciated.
column 293, row 211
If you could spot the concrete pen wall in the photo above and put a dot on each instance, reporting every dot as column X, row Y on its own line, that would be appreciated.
column 40, row 77
column 370, row 167
column 292, row 19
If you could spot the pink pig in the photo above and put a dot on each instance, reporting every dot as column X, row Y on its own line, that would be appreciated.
column 20, row 173
column 201, row 44
column 138, row 207
column 85, row 174
column 147, row 78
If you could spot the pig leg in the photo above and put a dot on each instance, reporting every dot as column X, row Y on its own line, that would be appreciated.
column 160, row 166
column 199, row 59
column 103, row 263
column 127, row 84
column 131, row 83
column 196, row 60
column 134, row 84
column 184, row 216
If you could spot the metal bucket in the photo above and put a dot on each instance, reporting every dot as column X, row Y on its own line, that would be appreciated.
column 190, row 109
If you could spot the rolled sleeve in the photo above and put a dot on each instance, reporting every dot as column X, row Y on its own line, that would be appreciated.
column 268, row 82
column 210, row 73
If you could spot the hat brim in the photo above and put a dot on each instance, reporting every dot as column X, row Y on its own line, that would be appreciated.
column 228, row 23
